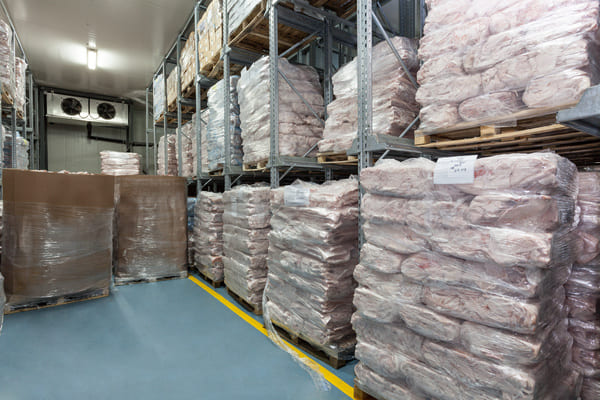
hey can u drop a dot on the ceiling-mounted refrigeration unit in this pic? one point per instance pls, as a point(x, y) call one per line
point(67, 109)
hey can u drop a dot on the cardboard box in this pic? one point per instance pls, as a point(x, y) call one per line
point(57, 235)
point(151, 218)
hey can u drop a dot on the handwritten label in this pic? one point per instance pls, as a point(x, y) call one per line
point(296, 196)
point(454, 170)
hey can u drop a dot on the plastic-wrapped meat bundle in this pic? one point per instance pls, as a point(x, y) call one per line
point(215, 133)
point(158, 96)
point(583, 287)
point(119, 163)
point(7, 59)
point(461, 288)
point(246, 225)
point(187, 149)
point(203, 151)
point(172, 88)
point(22, 161)
point(394, 106)
point(491, 60)
point(299, 128)
point(313, 248)
point(171, 168)
point(208, 235)
point(20, 87)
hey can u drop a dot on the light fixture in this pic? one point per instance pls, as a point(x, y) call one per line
point(92, 55)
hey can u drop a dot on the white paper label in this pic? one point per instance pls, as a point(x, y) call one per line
point(454, 170)
point(296, 196)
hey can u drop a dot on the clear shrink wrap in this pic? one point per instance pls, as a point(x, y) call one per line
point(187, 61)
point(239, 10)
point(22, 150)
point(208, 235)
point(158, 96)
point(191, 205)
point(151, 228)
point(313, 249)
point(461, 287)
point(20, 84)
point(299, 128)
point(171, 163)
point(483, 62)
point(583, 287)
point(188, 149)
point(119, 163)
point(7, 60)
point(57, 241)
point(246, 216)
point(172, 87)
point(394, 105)
point(215, 131)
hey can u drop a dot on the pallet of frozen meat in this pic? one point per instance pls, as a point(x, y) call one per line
point(313, 249)
point(208, 237)
point(461, 279)
point(119, 163)
point(246, 226)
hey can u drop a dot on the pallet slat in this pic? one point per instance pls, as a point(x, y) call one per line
point(256, 166)
point(56, 301)
point(360, 394)
point(253, 308)
point(214, 283)
point(336, 158)
point(130, 281)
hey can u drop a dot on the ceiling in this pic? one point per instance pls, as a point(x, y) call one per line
point(132, 37)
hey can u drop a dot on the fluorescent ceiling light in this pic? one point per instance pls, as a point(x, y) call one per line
point(92, 55)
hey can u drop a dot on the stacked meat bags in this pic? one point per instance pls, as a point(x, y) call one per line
point(313, 249)
point(299, 129)
point(7, 55)
point(171, 155)
point(461, 290)
point(119, 163)
point(394, 105)
point(208, 235)
point(485, 60)
point(583, 287)
point(246, 225)
point(215, 131)
point(188, 149)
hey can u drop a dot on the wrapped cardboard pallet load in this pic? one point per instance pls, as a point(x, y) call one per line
point(461, 279)
point(158, 97)
point(7, 63)
point(299, 128)
point(171, 168)
point(151, 235)
point(208, 235)
point(57, 241)
point(188, 149)
point(172, 88)
point(210, 35)
point(394, 105)
point(20, 84)
point(239, 10)
point(484, 61)
point(187, 61)
point(246, 226)
point(313, 249)
point(583, 287)
point(119, 163)
point(215, 131)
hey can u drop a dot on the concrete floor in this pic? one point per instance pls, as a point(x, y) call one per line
point(165, 340)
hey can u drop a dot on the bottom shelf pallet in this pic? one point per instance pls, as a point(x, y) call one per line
point(360, 394)
point(253, 308)
point(130, 281)
point(335, 359)
point(213, 283)
point(256, 166)
point(56, 301)
point(336, 158)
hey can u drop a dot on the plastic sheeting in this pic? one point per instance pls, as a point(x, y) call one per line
point(215, 131)
point(158, 96)
point(299, 128)
point(238, 11)
point(188, 149)
point(208, 235)
point(246, 225)
point(22, 150)
point(484, 61)
point(171, 168)
point(20, 84)
point(461, 292)
point(394, 105)
point(7, 59)
point(119, 163)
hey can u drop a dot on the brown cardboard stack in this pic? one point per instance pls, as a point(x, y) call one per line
point(172, 88)
point(57, 236)
point(187, 61)
point(210, 34)
point(151, 220)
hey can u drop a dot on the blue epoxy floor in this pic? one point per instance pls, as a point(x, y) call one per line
point(165, 340)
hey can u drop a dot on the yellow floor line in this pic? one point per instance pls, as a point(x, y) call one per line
point(331, 378)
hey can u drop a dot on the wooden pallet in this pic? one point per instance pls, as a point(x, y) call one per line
point(528, 133)
point(184, 109)
point(131, 281)
point(6, 98)
point(336, 359)
point(189, 91)
point(253, 308)
point(360, 394)
point(336, 158)
point(343, 8)
point(213, 283)
point(56, 301)
point(256, 166)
